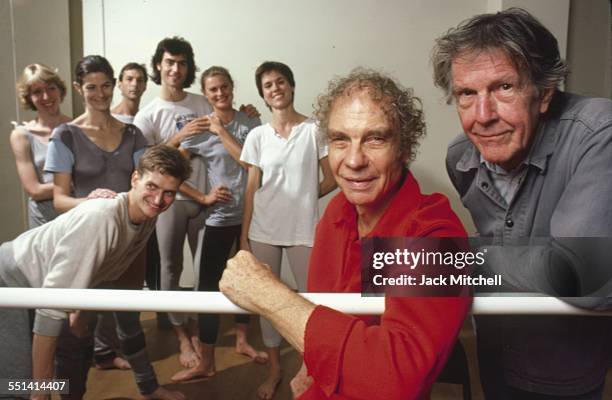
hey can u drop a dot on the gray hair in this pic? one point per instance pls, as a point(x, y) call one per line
point(403, 109)
point(530, 46)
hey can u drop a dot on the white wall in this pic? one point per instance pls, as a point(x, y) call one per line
point(554, 14)
point(318, 39)
point(590, 48)
point(9, 184)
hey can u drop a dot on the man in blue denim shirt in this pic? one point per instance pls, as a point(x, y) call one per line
point(534, 167)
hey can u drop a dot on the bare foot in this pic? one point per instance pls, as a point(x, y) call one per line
point(268, 387)
point(188, 357)
point(162, 393)
point(244, 348)
point(115, 363)
point(196, 344)
point(199, 371)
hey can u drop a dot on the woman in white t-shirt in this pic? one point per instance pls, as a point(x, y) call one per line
point(283, 188)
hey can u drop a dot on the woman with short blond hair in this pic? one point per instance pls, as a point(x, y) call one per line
point(39, 89)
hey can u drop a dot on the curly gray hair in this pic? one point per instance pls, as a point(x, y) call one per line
point(399, 104)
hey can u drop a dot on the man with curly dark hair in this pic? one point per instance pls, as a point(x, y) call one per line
point(175, 115)
point(170, 118)
point(372, 125)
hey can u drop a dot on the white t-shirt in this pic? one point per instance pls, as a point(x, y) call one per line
point(126, 119)
point(285, 210)
point(160, 120)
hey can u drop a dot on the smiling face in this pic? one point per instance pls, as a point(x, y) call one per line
point(173, 70)
point(46, 97)
point(364, 152)
point(97, 91)
point(219, 92)
point(277, 91)
point(499, 111)
point(151, 194)
point(132, 84)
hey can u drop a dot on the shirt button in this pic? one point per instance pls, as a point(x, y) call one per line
point(484, 185)
point(509, 223)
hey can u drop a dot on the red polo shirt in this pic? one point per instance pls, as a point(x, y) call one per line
point(399, 354)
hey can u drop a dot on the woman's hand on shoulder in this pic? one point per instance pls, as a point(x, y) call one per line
point(101, 193)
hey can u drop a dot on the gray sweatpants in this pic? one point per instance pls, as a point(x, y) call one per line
point(184, 217)
point(299, 257)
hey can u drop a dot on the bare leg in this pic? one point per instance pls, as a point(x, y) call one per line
point(188, 357)
point(243, 347)
point(205, 368)
point(268, 387)
point(194, 336)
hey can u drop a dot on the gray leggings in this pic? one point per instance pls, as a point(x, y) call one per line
point(272, 255)
point(184, 217)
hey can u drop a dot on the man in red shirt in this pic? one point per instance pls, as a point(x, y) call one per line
point(372, 126)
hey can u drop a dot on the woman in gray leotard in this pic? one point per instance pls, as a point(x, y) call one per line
point(94, 156)
point(220, 148)
point(39, 89)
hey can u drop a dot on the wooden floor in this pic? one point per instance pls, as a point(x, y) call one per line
point(237, 377)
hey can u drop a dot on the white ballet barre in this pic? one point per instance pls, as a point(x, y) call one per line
point(217, 303)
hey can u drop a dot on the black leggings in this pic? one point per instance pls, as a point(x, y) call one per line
point(216, 246)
